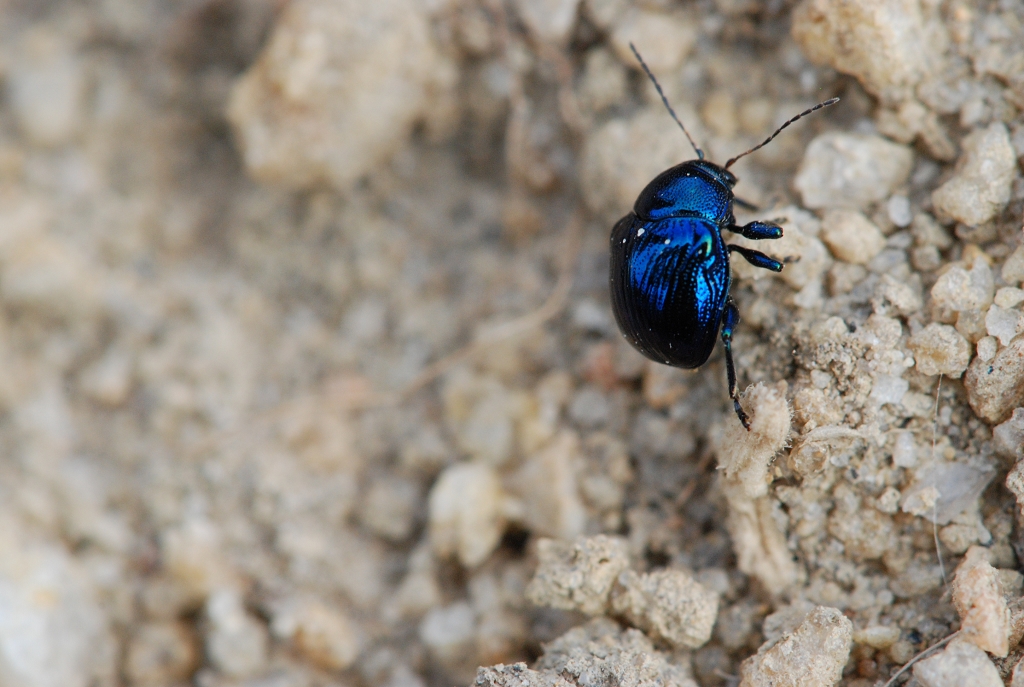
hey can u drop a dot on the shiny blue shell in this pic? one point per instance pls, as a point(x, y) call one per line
point(670, 271)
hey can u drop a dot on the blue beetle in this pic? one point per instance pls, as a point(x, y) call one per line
point(670, 273)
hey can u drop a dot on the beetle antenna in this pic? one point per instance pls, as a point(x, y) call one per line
point(831, 101)
point(700, 153)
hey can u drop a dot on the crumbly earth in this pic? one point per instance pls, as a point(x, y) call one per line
point(306, 344)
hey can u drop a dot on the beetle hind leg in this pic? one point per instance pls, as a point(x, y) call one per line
point(757, 258)
point(730, 318)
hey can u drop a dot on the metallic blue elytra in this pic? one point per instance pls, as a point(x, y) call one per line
point(670, 273)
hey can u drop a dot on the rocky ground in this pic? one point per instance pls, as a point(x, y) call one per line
point(309, 375)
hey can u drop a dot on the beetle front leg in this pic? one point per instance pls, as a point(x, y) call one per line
point(730, 318)
point(757, 258)
point(758, 230)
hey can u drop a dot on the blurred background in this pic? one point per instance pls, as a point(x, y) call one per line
point(305, 336)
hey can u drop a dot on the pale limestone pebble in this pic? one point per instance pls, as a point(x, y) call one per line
point(851, 236)
point(603, 82)
point(53, 630)
point(812, 654)
point(759, 541)
point(482, 412)
point(916, 580)
point(904, 450)
point(1009, 297)
point(813, 408)
point(550, 21)
point(971, 324)
point(940, 349)
point(866, 533)
point(517, 675)
point(898, 210)
point(663, 39)
point(888, 45)
point(943, 490)
point(959, 664)
point(160, 653)
point(390, 507)
point(851, 171)
point(987, 347)
point(605, 13)
point(960, 289)
point(41, 273)
point(578, 576)
point(47, 87)
point(1015, 483)
point(336, 91)
point(983, 181)
point(877, 636)
point(449, 633)
point(467, 509)
point(321, 633)
point(108, 381)
point(419, 590)
point(897, 297)
point(978, 598)
point(192, 554)
point(620, 157)
point(237, 644)
point(602, 654)
point(667, 604)
point(995, 387)
point(1008, 438)
point(966, 530)
point(548, 484)
point(1004, 323)
point(744, 455)
point(1013, 269)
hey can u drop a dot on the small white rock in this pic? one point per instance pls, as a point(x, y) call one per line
point(961, 663)
point(1009, 297)
point(1013, 268)
point(940, 349)
point(851, 236)
point(898, 209)
point(1004, 324)
point(450, 632)
point(236, 643)
point(958, 289)
point(988, 346)
point(852, 171)
point(981, 187)
point(466, 513)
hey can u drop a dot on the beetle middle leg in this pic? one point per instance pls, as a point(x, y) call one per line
point(757, 230)
point(757, 258)
point(730, 318)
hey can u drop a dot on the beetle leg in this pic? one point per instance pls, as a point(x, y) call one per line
point(745, 204)
point(758, 230)
point(730, 318)
point(757, 258)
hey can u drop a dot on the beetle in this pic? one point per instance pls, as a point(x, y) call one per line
point(670, 272)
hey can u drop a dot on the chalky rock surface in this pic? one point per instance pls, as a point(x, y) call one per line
point(961, 663)
point(466, 513)
point(577, 576)
point(995, 387)
point(978, 598)
point(889, 45)
point(851, 236)
point(53, 632)
point(940, 349)
point(308, 367)
point(602, 654)
point(812, 654)
point(851, 171)
point(668, 605)
point(336, 90)
point(981, 187)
